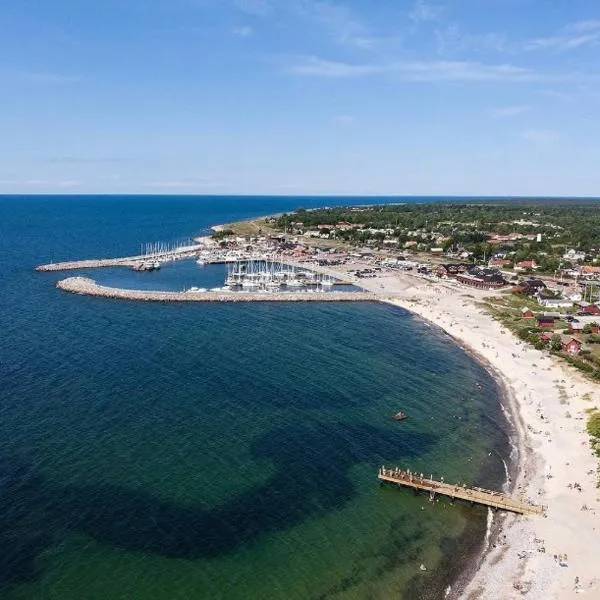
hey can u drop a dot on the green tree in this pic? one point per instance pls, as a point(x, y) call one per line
point(556, 343)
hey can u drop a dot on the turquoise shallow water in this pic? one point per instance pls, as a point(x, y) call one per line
point(218, 451)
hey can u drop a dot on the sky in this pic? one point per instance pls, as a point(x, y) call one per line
point(399, 97)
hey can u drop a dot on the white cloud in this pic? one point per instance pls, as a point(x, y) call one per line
point(540, 135)
point(422, 12)
point(434, 72)
point(510, 111)
point(344, 119)
point(242, 31)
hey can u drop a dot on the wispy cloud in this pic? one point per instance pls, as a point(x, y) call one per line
point(35, 182)
point(589, 25)
point(242, 31)
point(339, 21)
point(423, 12)
point(434, 71)
point(85, 160)
point(257, 8)
point(452, 38)
point(177, 184)
point(318, 67)
point(572, 37)
point(543, 136)
point(510, 111)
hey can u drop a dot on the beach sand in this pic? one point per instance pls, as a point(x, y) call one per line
point(552, 556)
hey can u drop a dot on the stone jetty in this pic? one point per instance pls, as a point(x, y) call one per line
point(86, 286)
point(127, 261)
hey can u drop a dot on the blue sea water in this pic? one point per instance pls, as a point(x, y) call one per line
point(217, 451)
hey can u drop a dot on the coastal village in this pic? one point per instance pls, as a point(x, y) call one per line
point(558, 311)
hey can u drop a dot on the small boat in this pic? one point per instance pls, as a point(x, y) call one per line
point(400, 416)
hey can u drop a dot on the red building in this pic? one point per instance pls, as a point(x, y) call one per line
point(573, 346)
point(527, 313)
point(591, 309)
point(545, 322)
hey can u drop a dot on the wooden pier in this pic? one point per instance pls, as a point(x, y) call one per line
point(474, 495)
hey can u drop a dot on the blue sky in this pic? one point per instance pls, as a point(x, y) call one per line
point(300, 96)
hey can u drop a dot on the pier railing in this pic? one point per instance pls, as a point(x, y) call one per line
point(474, 495)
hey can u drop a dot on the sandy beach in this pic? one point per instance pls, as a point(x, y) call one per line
point(555, 556)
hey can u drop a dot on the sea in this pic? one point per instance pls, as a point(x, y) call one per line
point(218, 451)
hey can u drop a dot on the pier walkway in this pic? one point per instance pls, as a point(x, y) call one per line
point(471, 494)
point(86, 286)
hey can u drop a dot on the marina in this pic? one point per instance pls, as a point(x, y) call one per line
point(475, 495)
point(273, 275)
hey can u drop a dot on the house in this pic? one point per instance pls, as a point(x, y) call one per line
point(574, 255)
point(452, 270)
point(527, 313)
point(499, 262)
point(529, 287)
point(545, 322)
point(526, 264)
point(555, 302)
point(545, 337)
point(575, 327)
point(573, 346)
point(591, 309)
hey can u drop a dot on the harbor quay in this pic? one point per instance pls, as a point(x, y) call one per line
point(86, 286)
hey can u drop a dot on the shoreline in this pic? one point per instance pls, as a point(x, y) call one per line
point(520, 554)
point(474, 563)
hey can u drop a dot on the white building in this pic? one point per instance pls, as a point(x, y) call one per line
point(556, 302)
point(574, 255)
